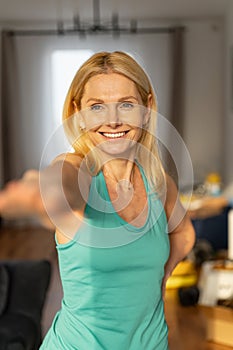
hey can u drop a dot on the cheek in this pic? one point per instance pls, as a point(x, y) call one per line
point(94, 122)
point(94, 135)
point(136, 120)
point(138, 133)
point(134, 134)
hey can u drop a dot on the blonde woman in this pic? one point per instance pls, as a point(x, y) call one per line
point(120, 229)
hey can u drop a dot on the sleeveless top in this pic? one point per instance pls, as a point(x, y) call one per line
point(112, 295)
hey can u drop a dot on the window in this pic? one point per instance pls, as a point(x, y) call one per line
point(65, 64)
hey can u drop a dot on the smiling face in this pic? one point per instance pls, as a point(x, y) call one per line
point(112, 110)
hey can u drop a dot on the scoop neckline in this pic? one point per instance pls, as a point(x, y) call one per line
point(114, 212)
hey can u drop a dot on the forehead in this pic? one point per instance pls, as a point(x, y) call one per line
point(109, 87)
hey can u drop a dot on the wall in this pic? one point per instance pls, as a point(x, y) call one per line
point(204, 101)
point(228, 127)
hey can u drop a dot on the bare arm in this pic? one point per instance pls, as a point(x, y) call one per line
point(181, 232)
point(21, 198)
point(52, 196)
point(64, 190)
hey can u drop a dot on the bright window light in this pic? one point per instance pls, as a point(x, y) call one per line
point(65, 64)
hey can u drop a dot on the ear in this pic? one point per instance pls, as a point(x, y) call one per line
point(82, 125)
point(148, 110)
point(75, 106)
point(149, 101)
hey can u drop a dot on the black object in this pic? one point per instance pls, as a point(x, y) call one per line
point(188, 296)
point(201, 252)
point(213, 229)
point(23, 287)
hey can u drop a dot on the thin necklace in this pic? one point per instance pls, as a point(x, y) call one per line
point(123, 183)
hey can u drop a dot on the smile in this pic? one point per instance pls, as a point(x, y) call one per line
point(114, 135)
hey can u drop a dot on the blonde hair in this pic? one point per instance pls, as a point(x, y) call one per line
point(120, 63)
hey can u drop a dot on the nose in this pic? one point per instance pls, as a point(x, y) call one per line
point(113, 117)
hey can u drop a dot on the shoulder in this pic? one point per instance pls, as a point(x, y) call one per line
point(171, 193)
point(170, 182)
point(172, 203)
point(178, 221)
point(71, 158)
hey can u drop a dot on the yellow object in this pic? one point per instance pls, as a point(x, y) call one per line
point(185, 267)
point(213, 178)
point(213, 184)
point(181, 281)
point(184, 275)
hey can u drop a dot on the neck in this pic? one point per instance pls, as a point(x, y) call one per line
point(119, 169)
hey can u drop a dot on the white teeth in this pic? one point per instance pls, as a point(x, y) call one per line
point(114, 135)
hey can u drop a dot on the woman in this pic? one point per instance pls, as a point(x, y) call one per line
point(115, 253)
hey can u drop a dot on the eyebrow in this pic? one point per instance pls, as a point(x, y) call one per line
point(124, 98)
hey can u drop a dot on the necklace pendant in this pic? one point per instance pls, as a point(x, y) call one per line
point(125, 185)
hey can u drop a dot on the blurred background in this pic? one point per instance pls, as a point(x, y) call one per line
point(186, 47)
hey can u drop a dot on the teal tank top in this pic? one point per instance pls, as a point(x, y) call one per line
point(112, 296)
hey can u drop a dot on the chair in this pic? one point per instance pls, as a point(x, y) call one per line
point(23, 287)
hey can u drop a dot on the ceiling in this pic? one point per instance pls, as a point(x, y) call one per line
point(21, 11)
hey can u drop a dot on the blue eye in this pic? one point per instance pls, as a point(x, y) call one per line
point(127, 105)
point(96, 107)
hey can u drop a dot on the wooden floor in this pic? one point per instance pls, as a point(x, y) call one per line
point(187, 325)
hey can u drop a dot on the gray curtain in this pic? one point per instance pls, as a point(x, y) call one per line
point(1, 121)
point(9, 106)
point(177, 117)
point(12, 127)
point(177, 91)
point(25, 108)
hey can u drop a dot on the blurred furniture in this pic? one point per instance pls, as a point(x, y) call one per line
point(23, 287)
point(213, 229)
point(209, 215)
